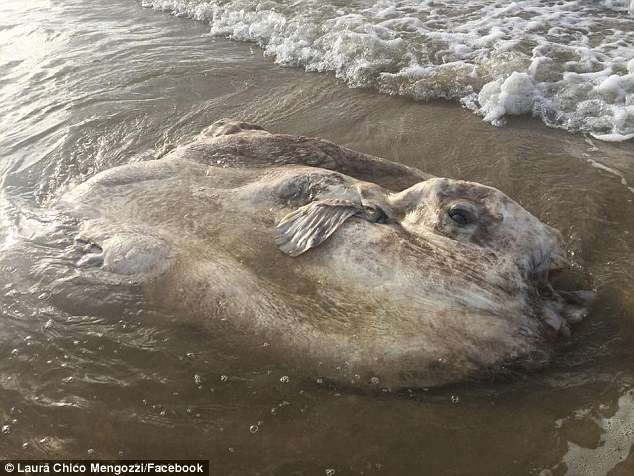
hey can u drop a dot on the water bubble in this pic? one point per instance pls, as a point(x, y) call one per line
point(6, 429)
point(254, 428)
point(375, 380)
point(330, 472)
point(285, 379)
point(224, 378)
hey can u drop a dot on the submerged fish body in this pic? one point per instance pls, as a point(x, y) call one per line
point(345, 262)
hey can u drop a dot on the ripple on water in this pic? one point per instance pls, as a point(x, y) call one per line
point(569, 63)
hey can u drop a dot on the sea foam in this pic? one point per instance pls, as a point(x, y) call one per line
point(568, 62)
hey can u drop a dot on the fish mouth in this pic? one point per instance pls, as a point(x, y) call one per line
point(560, 290)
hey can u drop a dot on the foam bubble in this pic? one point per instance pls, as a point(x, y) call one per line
point(569, 63)
point(617, 439)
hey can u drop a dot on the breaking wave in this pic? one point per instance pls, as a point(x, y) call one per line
point(568, 62)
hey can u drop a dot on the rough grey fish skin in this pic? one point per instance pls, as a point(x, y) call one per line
point(353, 266)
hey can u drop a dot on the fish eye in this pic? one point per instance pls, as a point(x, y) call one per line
point(462, 214)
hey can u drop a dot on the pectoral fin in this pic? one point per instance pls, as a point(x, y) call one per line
point(312, 224)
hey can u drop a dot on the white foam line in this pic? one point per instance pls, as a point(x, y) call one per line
point(570, 63)
point(601, 166)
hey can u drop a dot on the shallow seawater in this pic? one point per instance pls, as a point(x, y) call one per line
point(568, 62)
point(84, 88)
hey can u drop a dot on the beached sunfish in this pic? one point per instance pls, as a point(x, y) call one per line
point(364, 268)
